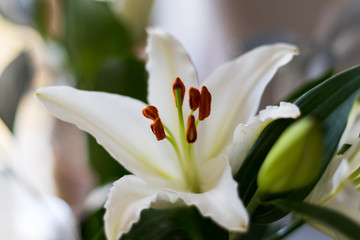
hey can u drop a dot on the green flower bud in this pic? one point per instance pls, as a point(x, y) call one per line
point(295, 159)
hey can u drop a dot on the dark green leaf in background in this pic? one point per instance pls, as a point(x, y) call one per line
point(92, 35)
point(92, 226)
point(184, 223)
point(126, 76)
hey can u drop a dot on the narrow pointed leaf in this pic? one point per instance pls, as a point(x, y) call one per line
point(326, 216)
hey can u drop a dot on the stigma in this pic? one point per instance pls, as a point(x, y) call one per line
point(198, 101)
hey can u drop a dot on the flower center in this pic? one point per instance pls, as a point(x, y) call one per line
point(200, 101)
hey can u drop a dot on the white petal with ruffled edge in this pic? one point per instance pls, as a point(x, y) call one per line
point(118, 124)
point(128, 197)
point(167, 61)
point(236, 89)
point(245, 135)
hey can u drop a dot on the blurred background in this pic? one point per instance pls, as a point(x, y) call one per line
point(53, 177)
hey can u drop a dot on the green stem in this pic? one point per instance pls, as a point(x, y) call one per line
point(254, 202)
point(197, 122)
point(283, 232)
point(234, 236)
point(181, 160)
point(180, 115)
point(177, 151)
point(193, 170)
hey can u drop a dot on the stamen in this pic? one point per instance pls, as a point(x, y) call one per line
point(191, 133)
point(158, 129)
point(205, 103)
point(194, 98)
point(151, 112)
point(178, 85)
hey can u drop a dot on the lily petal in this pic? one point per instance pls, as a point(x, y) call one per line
point(336, 174)
point(245, 135)
point(236, 89)
point(117, 124)
point(351, 132)
point(128, 197)
point(167, 61)
point(347, 202)
point(222, 203)
point(334, 191)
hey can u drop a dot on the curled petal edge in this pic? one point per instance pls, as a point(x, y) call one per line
point(245, 135)
point(130, 195)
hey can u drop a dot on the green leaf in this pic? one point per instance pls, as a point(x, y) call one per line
point(328, 217)
point(92, 35)
point(92, 226)
point(183, 223)
point(330, 102)
point(125, 76)
point(107, 169)
point(41, 16)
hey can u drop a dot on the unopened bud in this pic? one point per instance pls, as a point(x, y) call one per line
point(179, 91)
point(151, 112)
point(205, 103)
point(191, 133)
point(158, 129)
point(295, 159)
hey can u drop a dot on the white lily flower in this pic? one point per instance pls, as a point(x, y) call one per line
point(189, 165)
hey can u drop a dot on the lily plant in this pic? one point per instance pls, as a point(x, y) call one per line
point(185, 146)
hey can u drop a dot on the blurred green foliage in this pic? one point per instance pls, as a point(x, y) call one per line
point(181, 223)
point(92, 35)
point(99, 54)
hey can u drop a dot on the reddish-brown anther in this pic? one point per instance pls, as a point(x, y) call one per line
point(151, 112)
point(194, 98)
point(191, 133)
point(178, 84)
point(205, 103)
point(158, 129)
